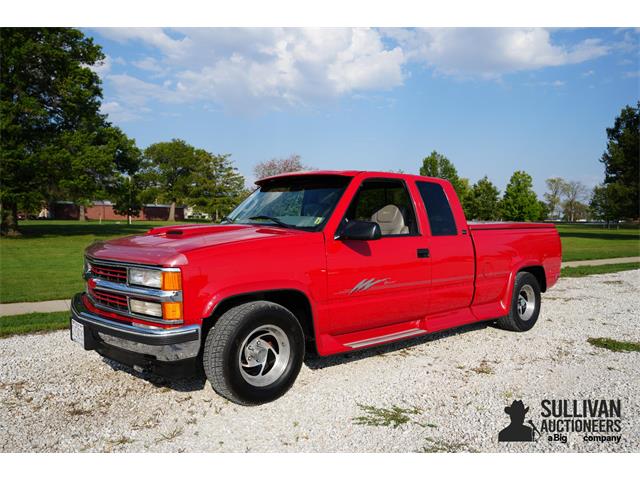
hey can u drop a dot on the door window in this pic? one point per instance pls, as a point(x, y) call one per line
point(386, 202)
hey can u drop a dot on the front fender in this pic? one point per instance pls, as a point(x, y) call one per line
point(252, 289)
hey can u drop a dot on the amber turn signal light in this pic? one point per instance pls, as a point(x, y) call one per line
point(171, 281)
point(172, 311)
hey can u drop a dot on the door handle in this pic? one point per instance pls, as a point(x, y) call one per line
point(423, 253)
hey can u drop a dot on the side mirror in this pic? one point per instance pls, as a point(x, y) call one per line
point(360, 230)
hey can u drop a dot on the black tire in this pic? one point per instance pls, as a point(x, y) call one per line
point(528, 285)
point(223, 352)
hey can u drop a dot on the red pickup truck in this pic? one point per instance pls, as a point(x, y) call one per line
point(332, 261)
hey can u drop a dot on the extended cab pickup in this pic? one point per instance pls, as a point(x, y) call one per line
point(329, 261)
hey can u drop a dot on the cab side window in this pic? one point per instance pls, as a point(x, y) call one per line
point(386, 202)
point(439, 211)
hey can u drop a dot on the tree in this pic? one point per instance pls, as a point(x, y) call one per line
point(606, 202)
point(127, 196)
point(520, 202)
point(482, 202)
point(544, 210)
point(218, 187)
point(91, 164)
point(49, 119)
point(622, 161)
point(553, 197)
point(276, 166)
point(572, 207)
point(170, 170)
point(439, 166)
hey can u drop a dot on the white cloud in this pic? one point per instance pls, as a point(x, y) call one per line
point(554, 83)
point(490, 53)
point(103, 67)
point(255, 69)
point(149, 64)
point(249, 69)
point(119, 113)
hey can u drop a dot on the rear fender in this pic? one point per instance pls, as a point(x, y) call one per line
point(505, 302)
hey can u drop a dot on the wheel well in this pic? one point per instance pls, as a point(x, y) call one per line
point(538, 272)
point(293, 300)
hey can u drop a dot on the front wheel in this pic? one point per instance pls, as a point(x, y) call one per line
point(254, 353)
point(525, 304)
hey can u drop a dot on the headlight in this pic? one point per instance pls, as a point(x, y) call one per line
point(146, 308)
point(145, 277)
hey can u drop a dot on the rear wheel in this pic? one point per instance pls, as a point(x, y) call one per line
point(254, 353)
point(525, 304)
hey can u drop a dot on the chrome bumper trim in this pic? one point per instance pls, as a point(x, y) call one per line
point(164, 344)
point(164, 353)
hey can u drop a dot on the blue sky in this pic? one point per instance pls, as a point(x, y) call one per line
point(492, 100)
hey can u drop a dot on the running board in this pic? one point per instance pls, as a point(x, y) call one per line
point(386, 338)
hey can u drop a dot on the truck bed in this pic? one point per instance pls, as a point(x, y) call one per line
point(507, 225)
point(504, 248)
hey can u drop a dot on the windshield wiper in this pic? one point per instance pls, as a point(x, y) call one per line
point(272, 219)
point(227, 219)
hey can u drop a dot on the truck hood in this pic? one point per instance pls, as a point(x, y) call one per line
point(165, 246)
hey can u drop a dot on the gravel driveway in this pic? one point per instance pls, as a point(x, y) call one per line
point(444, 392)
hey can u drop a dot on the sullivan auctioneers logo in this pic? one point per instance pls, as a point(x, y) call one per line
point(593, 420)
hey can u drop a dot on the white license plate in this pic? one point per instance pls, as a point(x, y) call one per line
point(77, 332)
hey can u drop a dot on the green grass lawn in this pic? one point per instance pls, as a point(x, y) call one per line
point(615, 345)
point(32, 323)
point(588, 242)
point(597, 269)
point(46, 262)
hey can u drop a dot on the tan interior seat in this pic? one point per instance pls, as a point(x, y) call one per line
point(390, 220)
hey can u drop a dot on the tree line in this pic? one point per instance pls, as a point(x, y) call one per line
point(617, 198)
point(482, 201)
point(56, 145)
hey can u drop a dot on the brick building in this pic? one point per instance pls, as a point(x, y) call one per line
point(103, 210)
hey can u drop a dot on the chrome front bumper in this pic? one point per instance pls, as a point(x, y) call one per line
point(165, 345)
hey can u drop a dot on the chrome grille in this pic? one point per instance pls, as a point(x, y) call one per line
point(111, 300)
point(108, 289)
point(111, 273)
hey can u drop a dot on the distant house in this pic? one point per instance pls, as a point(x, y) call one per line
point(191, 213)
point(103, 210)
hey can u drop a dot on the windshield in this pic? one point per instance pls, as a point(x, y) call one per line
point(304, 202)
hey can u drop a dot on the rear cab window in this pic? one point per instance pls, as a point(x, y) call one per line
point(439, 211)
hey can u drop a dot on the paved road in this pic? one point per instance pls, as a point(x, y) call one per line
point(61, 305)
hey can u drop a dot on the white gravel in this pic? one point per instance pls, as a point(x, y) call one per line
point(56, 397)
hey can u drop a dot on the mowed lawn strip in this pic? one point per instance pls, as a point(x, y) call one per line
point(587, 242)
point(45, 263)
point(32, 323)
point(597, 269)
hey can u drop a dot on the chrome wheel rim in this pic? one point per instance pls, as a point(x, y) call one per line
point(264, 355)
point(526, 303)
